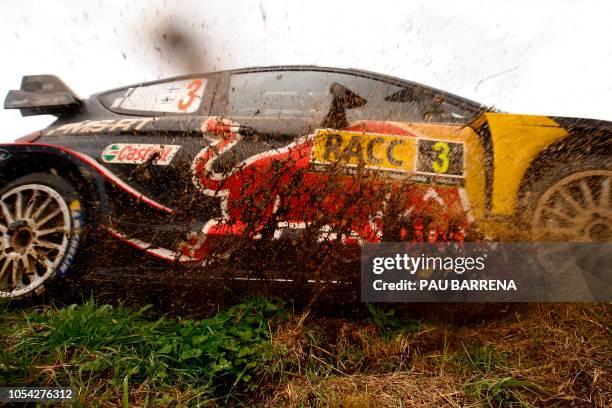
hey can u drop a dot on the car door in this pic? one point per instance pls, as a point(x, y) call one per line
point(337, 154)
point(412, 138)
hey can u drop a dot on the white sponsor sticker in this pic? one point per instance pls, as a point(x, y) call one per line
point(98, 126)
point(171, 97)
point(131, 153)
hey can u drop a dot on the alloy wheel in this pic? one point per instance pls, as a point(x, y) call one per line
point(35, 226)
point(575, 209)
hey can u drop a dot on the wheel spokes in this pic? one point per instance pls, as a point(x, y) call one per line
point(31, 203)
point(42, 207)
point(575, 208)
point(18, 206)
point(34, 232)
point(46, 262)
point(604, 199)
point(49, 217)
point(5, 267)
point(16, 275)
point(586, 193)
point(29, 264)
point(560, 214)
point(6, 213)
point(567, 198)
point(41, 243)
point(54, 230)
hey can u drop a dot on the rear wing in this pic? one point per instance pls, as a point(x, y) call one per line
point(42, 95)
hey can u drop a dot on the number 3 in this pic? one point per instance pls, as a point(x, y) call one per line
point(440, 165)
point(193, 88)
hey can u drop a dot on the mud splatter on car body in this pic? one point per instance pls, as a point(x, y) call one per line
point(251, 167)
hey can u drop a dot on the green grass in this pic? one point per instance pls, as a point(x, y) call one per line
point(484, 359)
point(502, 391)
point(99, 350)
point(259, 353)
point(389, 324)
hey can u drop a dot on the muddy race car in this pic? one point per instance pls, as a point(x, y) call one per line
point(193, 170)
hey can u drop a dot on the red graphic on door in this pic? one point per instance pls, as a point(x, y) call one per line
point(277, 190)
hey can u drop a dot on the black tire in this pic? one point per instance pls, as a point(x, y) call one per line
point(547, 215)
point(33, 240)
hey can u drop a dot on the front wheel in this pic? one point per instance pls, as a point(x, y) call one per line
point(41, 224)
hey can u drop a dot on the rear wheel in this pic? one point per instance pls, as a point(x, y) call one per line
point(41, 222)
point(572, 202)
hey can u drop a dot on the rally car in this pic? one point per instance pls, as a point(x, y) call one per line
point(191, 168)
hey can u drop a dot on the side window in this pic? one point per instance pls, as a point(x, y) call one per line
point(279, 94)
point(410, 103)
point(175, 97)
point(413, 104)
point(334, 99)
point(326, 98)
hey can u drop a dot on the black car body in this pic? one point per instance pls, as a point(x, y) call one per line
point(186, 168)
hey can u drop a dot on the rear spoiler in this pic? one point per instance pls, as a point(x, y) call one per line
point(42, 95)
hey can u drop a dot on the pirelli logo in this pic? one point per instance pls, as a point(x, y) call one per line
point(392, 155)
